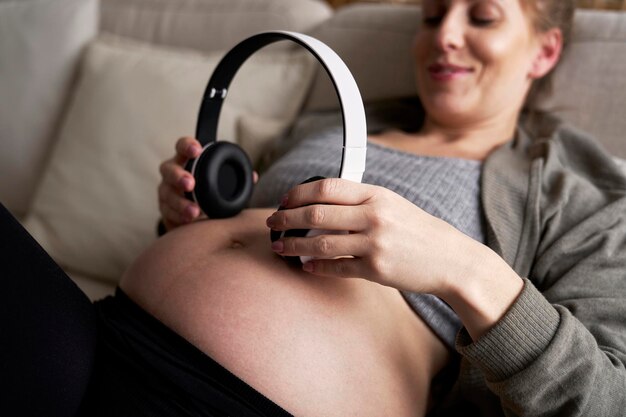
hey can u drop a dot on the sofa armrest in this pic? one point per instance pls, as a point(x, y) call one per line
point(40, 46)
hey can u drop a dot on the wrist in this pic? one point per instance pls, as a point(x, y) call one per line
point(482, 291)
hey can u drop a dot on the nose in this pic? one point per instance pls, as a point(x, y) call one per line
point(451, 33)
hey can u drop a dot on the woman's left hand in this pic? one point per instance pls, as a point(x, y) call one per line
point(391, 241)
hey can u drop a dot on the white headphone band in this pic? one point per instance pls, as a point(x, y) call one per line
point(353, 113)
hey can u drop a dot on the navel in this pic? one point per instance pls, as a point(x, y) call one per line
point(235, 244)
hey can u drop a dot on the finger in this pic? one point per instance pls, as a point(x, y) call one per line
point(320, 216)
point(176, 176)
point(174, 215)
point(179, 208)
point(329, 191)
point(171, 218)
point(337, 268)
point(187, 148)
point(255, 177)
point(323, 246)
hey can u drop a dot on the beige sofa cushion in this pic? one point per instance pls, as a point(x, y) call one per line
point(374, 40)
point(96, 208)
point(208, 25)
point(40, 45)
point(590, 84)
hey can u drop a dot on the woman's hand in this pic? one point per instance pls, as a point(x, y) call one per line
point(391, 241)
point(175, 208)
point(395, 243)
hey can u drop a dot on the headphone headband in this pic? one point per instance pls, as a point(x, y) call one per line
point(352, 111)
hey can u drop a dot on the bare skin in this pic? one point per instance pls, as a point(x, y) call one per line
point(320, 344)
point(314, 345)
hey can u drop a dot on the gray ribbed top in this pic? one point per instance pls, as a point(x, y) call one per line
point(447, 188)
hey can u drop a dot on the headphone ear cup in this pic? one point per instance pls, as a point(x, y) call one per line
point(223, 174)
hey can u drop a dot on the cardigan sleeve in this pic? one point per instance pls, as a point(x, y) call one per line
point(540, 360)
point(560, 350)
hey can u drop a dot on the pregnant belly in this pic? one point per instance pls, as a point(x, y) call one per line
point(315, 346)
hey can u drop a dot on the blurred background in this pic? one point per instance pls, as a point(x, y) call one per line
point(589, 4)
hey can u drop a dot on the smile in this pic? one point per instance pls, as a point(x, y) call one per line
point(447, 72)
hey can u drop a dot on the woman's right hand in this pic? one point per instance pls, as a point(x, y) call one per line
point(175, 208)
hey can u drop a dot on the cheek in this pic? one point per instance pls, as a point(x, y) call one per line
point(506, 55)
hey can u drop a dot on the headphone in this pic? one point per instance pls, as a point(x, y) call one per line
point(223, 171)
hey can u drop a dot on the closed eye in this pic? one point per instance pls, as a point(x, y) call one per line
point(480, 22)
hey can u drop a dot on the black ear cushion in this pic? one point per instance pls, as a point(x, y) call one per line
point(275, 234)
point(224, 184)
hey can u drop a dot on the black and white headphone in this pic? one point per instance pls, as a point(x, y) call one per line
point(223, 171)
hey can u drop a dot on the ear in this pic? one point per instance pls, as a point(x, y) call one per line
point(550, 45)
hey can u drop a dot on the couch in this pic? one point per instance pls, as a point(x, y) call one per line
point(93, 95)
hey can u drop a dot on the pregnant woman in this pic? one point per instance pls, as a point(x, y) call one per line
point(501, 213)
point(482, 272)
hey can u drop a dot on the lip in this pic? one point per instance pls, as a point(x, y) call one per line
point(447, 72)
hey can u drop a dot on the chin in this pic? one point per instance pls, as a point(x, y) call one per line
point(449, 111)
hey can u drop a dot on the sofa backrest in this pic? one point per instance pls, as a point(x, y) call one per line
point(207, 25)
point(590, 84)
point(375, 41)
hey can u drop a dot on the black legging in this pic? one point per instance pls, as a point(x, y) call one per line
point(47, 330)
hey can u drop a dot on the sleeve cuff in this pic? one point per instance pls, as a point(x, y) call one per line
point(522, 334)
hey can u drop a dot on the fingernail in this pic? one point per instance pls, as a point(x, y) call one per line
point(270, 222)
point(284, 200)
point(186, 183)
point(191, 212)
point(278, 246)
point(308, 267)
point(193, 150)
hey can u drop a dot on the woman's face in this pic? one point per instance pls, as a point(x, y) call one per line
point(474, 59)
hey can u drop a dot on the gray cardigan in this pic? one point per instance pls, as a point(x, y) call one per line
point(556, 212)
